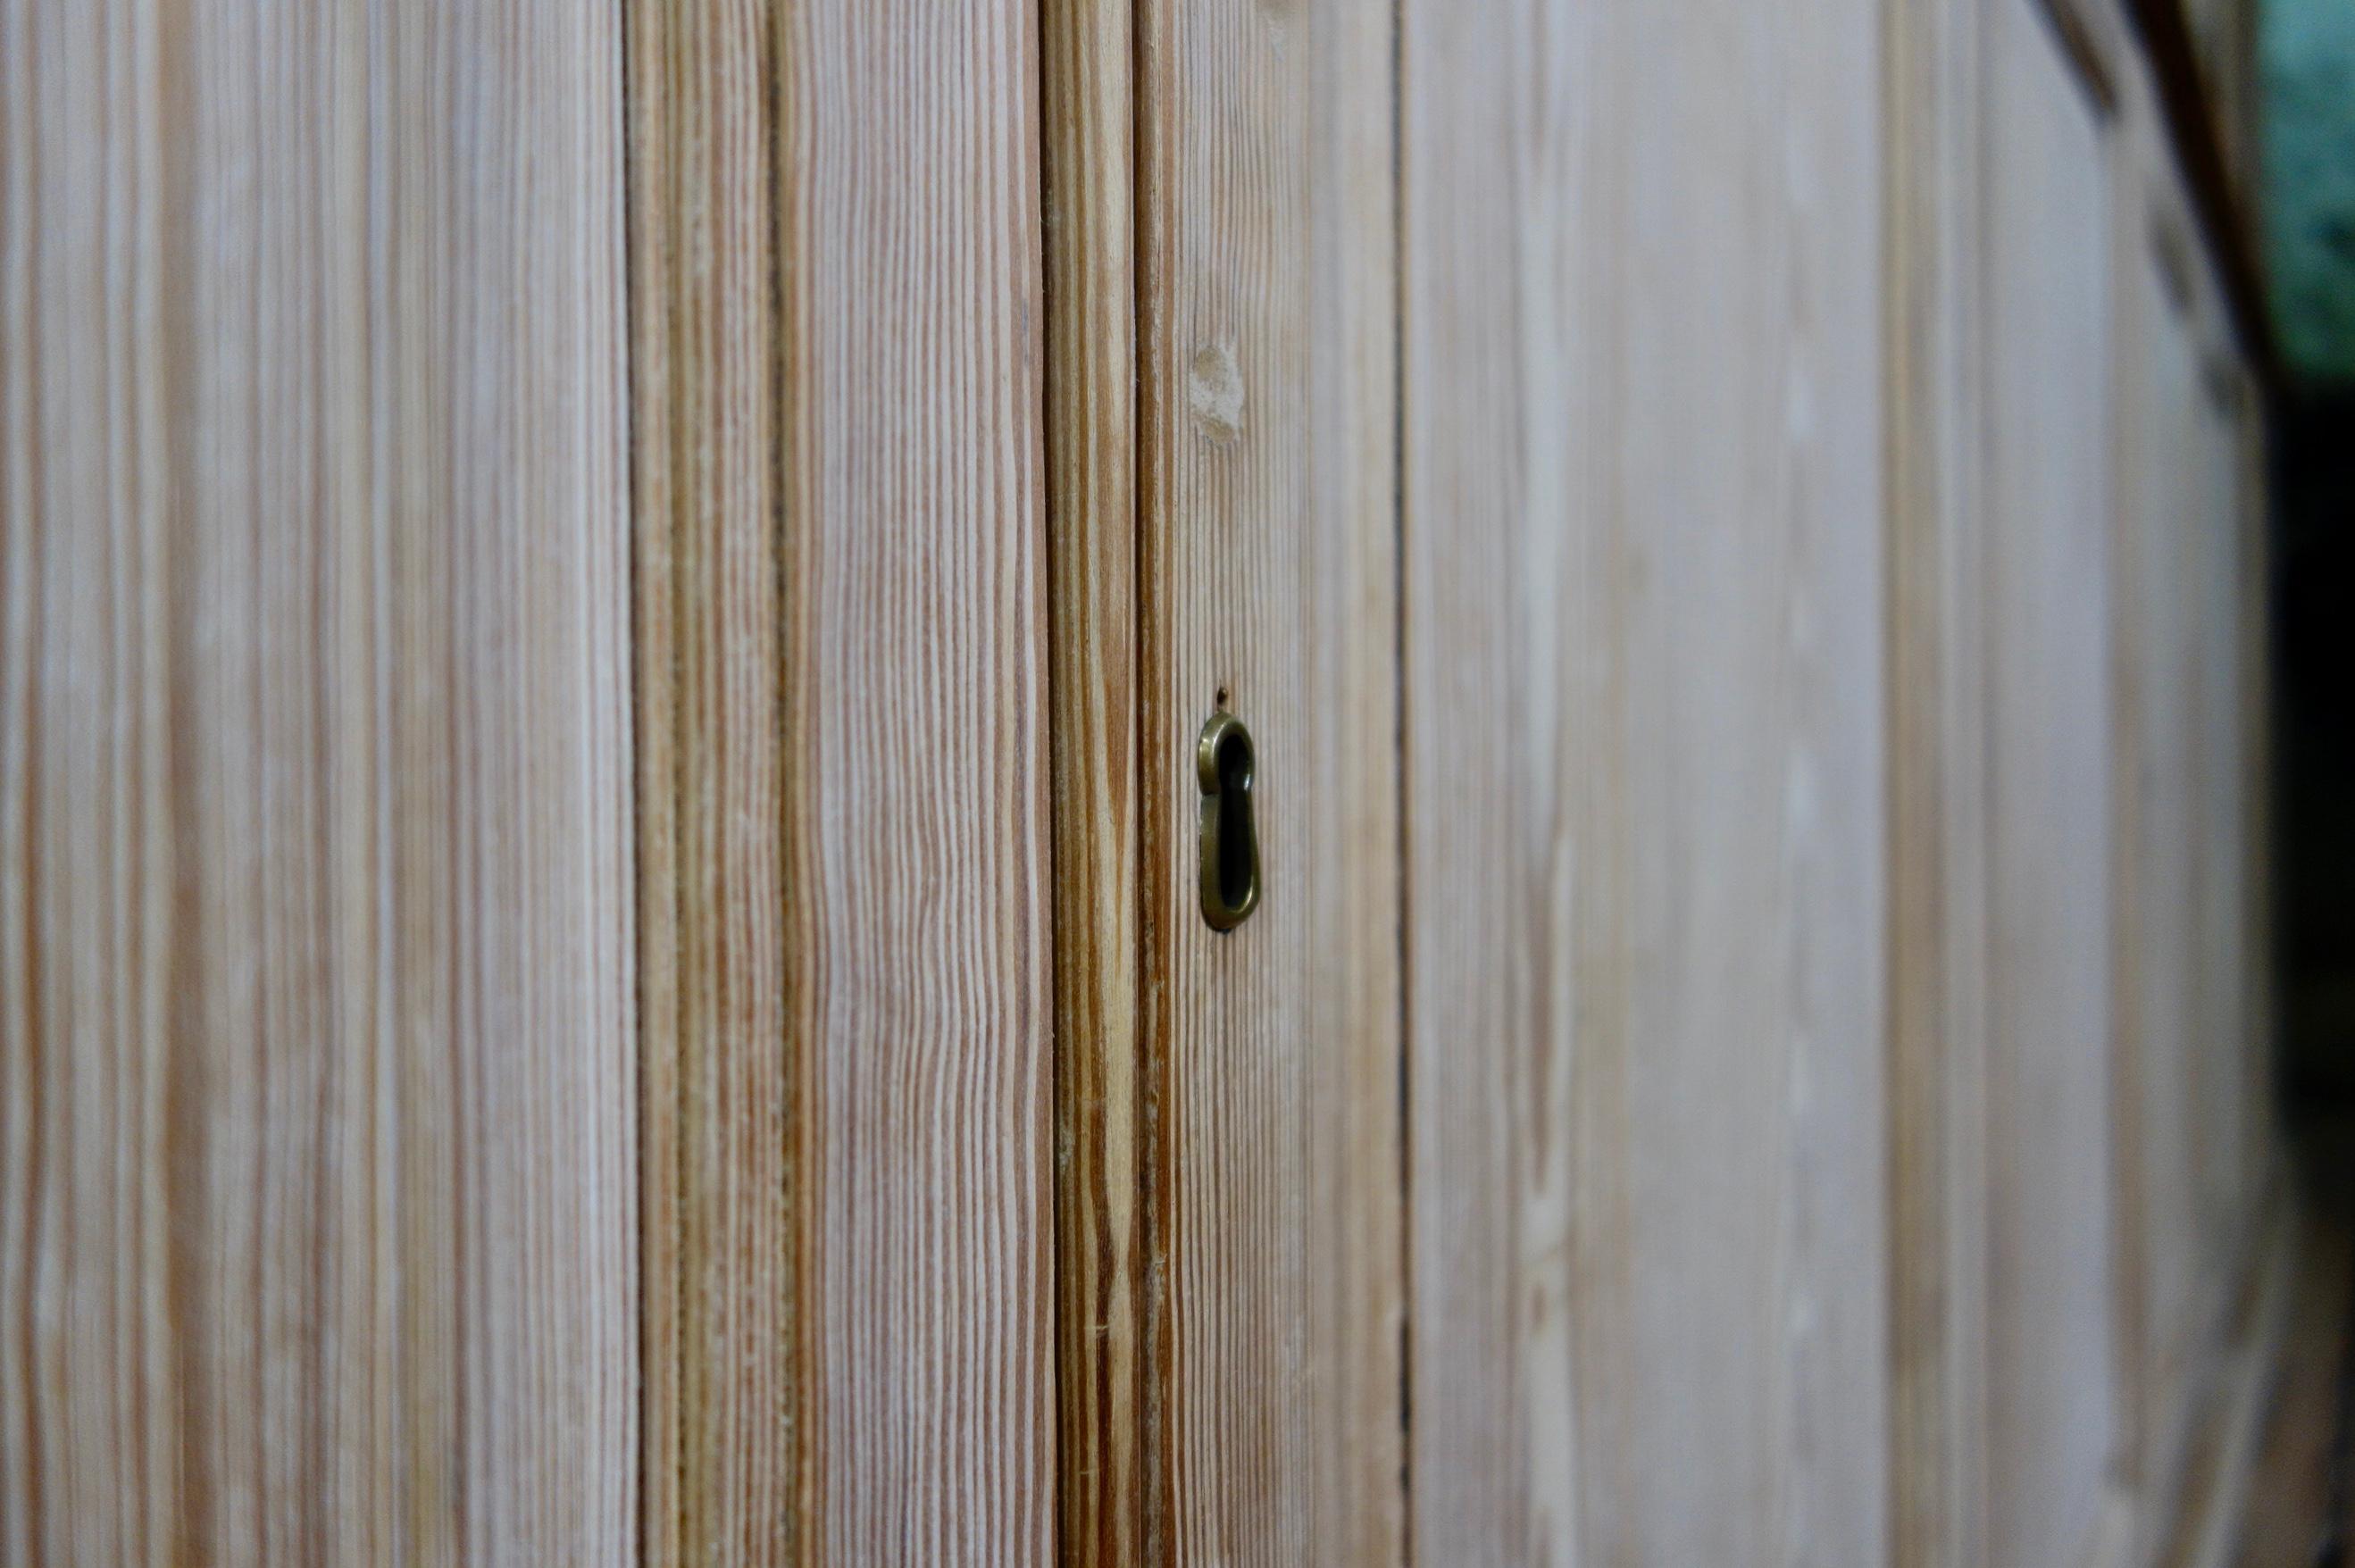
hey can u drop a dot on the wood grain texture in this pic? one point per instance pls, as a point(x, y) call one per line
point(1088, 110)
point(317, 1074)
point(916, 923)
point(1267, 568)
point(721, 1267)
point(2051, 1414)
point(840, 537)
point(1643, 578)
point(1938, 1175)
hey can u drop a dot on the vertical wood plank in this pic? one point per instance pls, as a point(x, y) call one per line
point(2053, 1431)
point(1642, 657)
point(840, 536)
point(2156, 1029)
point(2063, 1299)
point(1103, 1385)
point(916, 924)
point(506, 422)
point(720, 1459)
point(2191, 1003)
point(317, 1225)
point(1267, 570)
point(1937, 913)
point(1643, 579)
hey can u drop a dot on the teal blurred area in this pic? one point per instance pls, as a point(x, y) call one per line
point(2307, 61)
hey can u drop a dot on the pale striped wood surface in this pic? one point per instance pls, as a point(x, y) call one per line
point(913, 645)
point(2061, 1089)
point(844, 839)
point(1643, 515)
point(843, 849)
point(317, 1071)
point(1267, 573)
point(1937, 788)
point(2047, 250)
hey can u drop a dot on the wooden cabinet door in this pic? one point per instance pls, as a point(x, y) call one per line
point(611, 947)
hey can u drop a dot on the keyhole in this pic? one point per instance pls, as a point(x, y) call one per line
point(1224, 764)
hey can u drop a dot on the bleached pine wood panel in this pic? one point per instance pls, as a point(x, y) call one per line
point(1642, 568)
point(1938, 873)
point(1272, 1425)
point(318, 1071)
point(838, 333)
point(2049, 452)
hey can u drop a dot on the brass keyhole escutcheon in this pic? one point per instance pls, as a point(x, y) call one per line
point(1224, 764)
